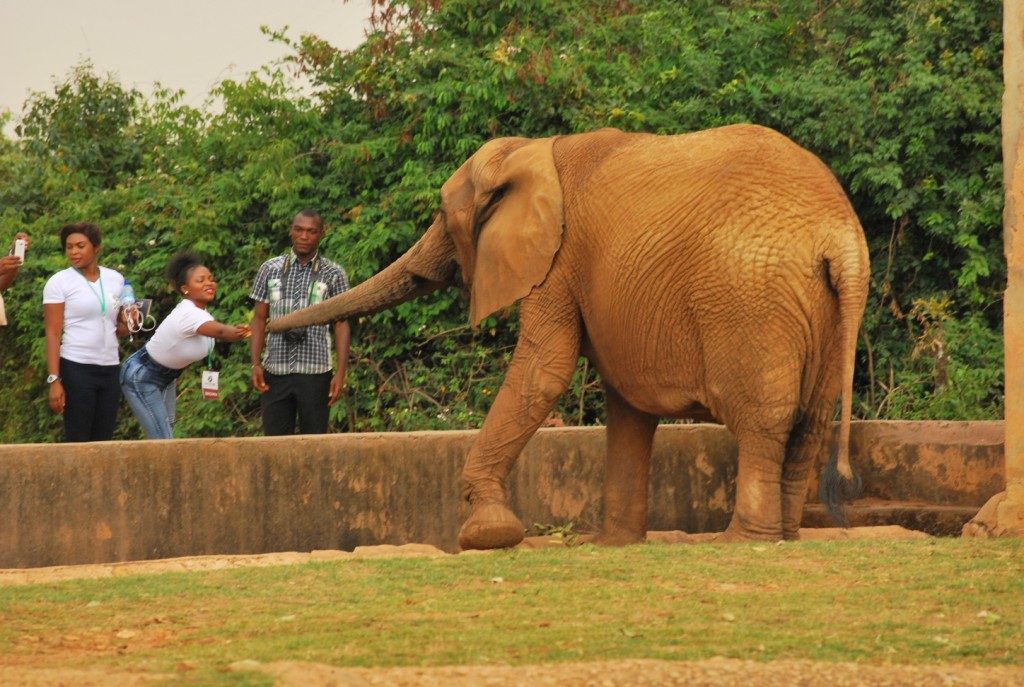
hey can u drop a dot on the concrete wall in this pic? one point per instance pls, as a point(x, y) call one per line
point(114, 501)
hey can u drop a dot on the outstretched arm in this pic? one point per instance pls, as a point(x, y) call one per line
point(223, 332)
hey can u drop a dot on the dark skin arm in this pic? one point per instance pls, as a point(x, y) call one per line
point(342, 338)
point(9, 264)
point(258, 327)
point(122, 325)
point(53, 324)
point(223, 332)
point(8, 270)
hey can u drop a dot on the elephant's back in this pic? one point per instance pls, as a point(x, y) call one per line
point(736, 209)
point(693, 187)
point(708, 240)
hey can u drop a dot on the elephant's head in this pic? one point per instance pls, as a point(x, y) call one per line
point(497, 233)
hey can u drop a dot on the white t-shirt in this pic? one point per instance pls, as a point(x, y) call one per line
point(175, 344)
point(90, 314)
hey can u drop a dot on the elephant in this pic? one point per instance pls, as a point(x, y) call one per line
point(718, 275)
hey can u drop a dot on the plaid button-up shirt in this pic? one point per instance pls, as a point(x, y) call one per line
point(312, 354)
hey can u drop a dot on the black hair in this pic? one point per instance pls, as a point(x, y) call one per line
point(179, 268)
point(87, 229)
point(308, 212)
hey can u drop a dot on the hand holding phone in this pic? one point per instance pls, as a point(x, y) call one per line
point(19, 249)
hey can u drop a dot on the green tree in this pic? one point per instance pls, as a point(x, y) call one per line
point(900, 99)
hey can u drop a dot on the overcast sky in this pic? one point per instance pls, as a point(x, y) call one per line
point(189, 44)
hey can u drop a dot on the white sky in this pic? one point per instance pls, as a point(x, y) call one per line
point(189, 44)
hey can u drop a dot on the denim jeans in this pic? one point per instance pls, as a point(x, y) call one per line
point(152, 393)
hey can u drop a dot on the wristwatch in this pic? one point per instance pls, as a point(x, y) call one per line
point(50, 379)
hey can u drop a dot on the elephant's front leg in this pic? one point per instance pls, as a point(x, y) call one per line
point(627, 472)
point(541, 369)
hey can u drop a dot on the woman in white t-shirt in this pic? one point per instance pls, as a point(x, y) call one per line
point(81, 307)
point(149, 376)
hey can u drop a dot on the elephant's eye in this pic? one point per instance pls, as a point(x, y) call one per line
point(488, 208)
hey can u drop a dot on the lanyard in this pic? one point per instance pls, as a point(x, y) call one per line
point(209, 356)
point(101, 296)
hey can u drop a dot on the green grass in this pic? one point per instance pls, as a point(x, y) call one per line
point(944, 600)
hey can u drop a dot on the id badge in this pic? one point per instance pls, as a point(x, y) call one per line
point(211, 384)
point(273, 290)
point(317, 290)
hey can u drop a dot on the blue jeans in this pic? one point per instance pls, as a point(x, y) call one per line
point(152, 393)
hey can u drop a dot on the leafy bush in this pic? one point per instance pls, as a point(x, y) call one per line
point(901, 99)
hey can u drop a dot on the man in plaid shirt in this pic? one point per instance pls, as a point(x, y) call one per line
point(293, 371)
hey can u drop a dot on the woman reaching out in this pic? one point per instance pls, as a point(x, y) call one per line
point(149, 376)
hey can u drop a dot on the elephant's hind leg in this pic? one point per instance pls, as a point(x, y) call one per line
point(758, 512)
point(630, 434)
point(806, 443)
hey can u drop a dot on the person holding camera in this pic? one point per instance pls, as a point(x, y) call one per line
point(9, 265)
point(292, 370)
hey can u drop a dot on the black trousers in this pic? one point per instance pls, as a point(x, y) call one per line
point(92, 394)
point(291, 395)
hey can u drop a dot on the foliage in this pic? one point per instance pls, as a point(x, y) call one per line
point(933, 384)
point(901, 99)
point(565, 533)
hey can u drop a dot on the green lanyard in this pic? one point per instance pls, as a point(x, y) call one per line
point(209, 356)
point(101, 296)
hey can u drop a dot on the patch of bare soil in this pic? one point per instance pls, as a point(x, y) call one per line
point(19, 576)
point(720, 672)
point(60, 573)
point(65, 677)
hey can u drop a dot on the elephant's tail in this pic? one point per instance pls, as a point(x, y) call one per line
point(834, 490)
point(848, 273)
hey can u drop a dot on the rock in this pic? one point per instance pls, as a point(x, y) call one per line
point(986, 522)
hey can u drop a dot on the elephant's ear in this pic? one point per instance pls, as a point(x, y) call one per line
point(519, 218)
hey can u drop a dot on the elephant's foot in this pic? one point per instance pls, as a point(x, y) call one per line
point(491, 525)
point(617, 538)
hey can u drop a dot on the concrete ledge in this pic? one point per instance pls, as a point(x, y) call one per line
point(937, 520)
point(65, 504)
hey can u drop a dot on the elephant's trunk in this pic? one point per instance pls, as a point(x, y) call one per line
point(427, 266)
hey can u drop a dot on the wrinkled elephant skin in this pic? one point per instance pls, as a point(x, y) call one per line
point(718, 274)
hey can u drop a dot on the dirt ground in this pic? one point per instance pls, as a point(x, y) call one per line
point(640, 672)
point(720, 672)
